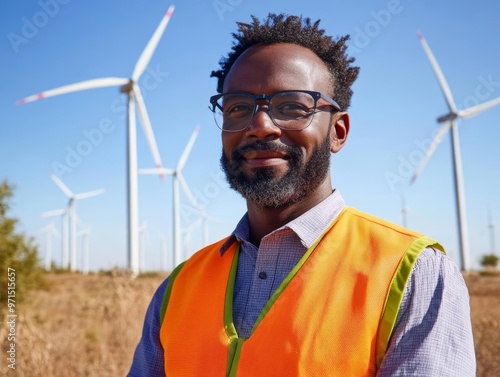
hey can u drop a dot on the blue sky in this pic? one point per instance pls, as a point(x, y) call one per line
point(50, 43)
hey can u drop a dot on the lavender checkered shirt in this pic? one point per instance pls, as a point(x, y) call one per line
point(432, 336)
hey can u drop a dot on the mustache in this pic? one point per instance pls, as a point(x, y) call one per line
point(261, 145)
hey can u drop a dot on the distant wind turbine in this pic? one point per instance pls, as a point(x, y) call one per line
point(71, 210)
point(449, 121)
point(404, 210)
point(48, 232)
point(85, 235)
point(178, 180)
point(130, 87)
point(163, 251)
point(202, 220)
point(491, 229)
point(187, 236)
point(64, 233)
point(142, 245)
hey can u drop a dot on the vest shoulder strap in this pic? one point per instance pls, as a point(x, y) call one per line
point(168, 290)
point(177, 270)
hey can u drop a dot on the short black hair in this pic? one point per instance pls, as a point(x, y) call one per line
point(280, 28)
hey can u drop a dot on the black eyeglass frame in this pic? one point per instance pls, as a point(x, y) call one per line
point(256, 97)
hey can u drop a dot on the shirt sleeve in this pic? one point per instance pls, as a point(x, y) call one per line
point(149, 357)
point(433, 331)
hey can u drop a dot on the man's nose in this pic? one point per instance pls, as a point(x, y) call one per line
point(261, 126)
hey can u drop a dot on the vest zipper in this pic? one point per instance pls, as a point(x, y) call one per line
point(234, 356)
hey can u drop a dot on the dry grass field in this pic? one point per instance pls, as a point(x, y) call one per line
point(89, 325)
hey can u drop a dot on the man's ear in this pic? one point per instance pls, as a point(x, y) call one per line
point(339, 132)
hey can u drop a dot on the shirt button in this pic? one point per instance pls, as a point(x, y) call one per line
point(262, 275)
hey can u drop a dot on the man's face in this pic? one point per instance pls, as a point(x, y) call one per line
point(269, 166)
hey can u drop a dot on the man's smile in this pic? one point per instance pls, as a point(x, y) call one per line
point(265, 158)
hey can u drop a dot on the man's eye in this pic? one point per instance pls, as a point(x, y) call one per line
point(238, 110)
point(293, 109)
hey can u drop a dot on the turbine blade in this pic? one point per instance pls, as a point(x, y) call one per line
point(62, 186)
point(146, 126)
point(439, 74)
point(49, 229)
point(187, 191)
point(89, 194)
point(158, 171)
point(187, 150)
point(83, 85)
point(437, 139)
point(150, 48)
point(56, 212)
point(471, 111)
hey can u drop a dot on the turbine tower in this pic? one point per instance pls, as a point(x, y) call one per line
point(71, 210)
point(449, 121)
point(130, 87)
point(178, 181)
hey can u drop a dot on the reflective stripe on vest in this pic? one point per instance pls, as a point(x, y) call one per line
point(333, 315)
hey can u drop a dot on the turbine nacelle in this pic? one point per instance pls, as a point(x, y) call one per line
point(128, 87)
point(447, 118)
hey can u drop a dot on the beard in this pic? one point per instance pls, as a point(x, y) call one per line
point(264, 189)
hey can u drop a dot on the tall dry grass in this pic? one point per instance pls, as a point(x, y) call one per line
point(89, 325)
point(485, 312)
point(81, 326)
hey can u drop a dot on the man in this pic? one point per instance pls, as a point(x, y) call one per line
point(304, 286)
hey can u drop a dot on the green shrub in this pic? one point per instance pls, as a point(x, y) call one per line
point(19, 261)
point(490, 260)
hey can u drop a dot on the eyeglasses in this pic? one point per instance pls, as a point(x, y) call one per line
point(288, 109)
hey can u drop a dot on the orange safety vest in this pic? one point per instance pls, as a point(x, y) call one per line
point(333, 315)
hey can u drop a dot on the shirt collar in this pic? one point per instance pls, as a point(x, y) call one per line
point(308, 227)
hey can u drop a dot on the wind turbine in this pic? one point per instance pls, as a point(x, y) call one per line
point(71, 210)
point(186, 235)
point(48, 232)
point(202, 220)
point(130, 87)
point(163, 251)
point(449, 121)
point(64, 233)
point(85, 235)
point(142, 245)
point(178, 180)
point(491, 229)
point(404, 210)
